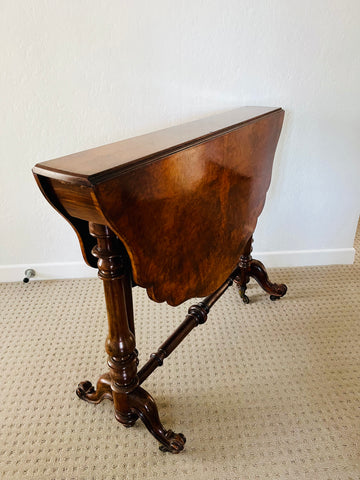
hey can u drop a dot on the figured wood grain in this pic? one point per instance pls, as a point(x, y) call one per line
point(173, 211)
point(97, 164)
point(184, 205)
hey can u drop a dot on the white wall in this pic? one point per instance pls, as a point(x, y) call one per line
point(77, 74)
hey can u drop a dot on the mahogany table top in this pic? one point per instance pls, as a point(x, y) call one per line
point(184, 201)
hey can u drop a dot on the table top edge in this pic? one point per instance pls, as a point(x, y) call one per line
point(57, 168)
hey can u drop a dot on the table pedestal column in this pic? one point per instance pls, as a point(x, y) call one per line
point(121, 384)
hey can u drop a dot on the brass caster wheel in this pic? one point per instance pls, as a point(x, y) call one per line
point(245, 299)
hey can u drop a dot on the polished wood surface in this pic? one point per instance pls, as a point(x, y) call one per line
point(101, 163)
point(121, 384)
point(184, 217)
point(173, 212)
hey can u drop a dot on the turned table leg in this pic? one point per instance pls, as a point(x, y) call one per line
point(250, 267)
point(121, 384)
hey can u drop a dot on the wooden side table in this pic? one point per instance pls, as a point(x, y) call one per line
point(174, 212)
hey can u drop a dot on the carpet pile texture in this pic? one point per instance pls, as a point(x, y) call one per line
point(269, 390)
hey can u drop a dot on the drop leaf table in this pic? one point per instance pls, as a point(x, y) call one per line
point(174, 212)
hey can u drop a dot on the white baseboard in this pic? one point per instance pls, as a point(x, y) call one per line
point(47, 271)
point(306, 258)
point(296, 258)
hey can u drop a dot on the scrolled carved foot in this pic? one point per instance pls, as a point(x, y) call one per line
point(176, 442)
point(259, 273)
point(279, 290)
point(87, 392)
point(143, 405)
point(84, 388)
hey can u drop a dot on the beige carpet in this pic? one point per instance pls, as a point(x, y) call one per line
point(269, 390)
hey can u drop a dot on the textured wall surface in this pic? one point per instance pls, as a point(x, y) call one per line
point(75, 75)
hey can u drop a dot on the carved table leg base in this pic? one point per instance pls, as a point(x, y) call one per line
point(258, 271)
point(248, 267)
point(126, 419)
point(143, 405)
point(121, 384)
point(87, 392)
